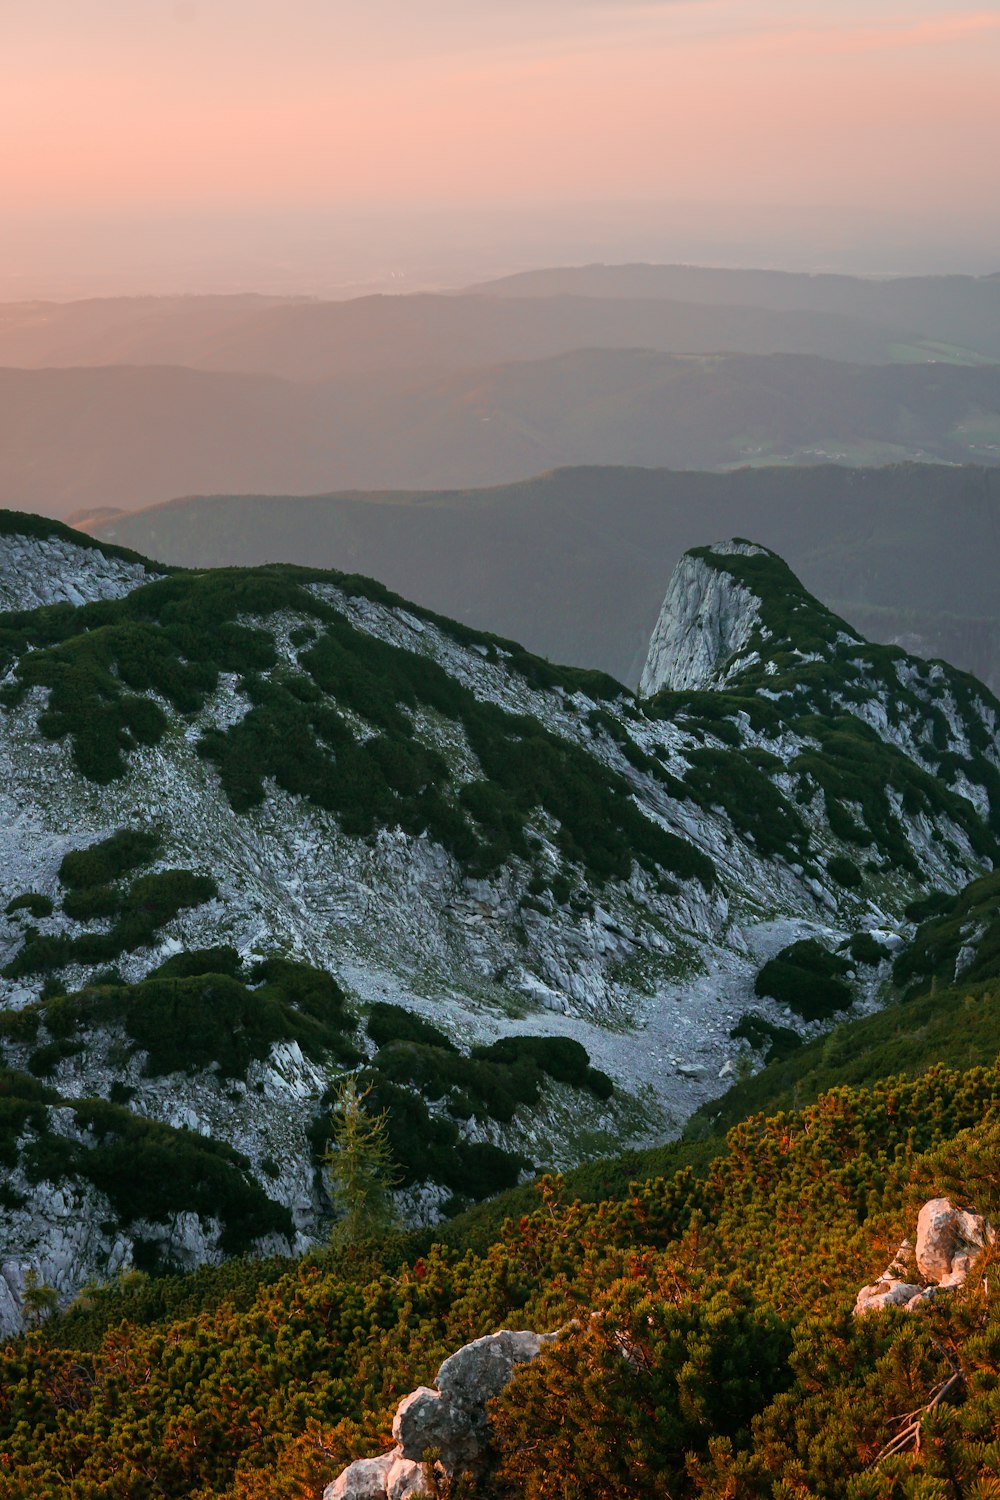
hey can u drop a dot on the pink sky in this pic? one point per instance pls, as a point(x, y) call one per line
point(114, 107)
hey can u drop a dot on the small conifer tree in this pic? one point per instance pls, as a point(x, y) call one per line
point(360, 1170)
point(37, 1298)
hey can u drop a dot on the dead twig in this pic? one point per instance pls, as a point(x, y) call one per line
point(911, 1424)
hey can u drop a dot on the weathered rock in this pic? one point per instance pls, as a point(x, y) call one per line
point(425, 1419)
point(405, 1479)
point(949, 1241)
point(448, 1421)
point(886, 1293)
point(365, 1479)
point(706, 617)
point(478, 1371)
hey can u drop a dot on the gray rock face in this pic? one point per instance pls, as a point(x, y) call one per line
point(36, 571)
point(425, 1420)
point(706, 617)
point(949, 1241)
point(448, 1419)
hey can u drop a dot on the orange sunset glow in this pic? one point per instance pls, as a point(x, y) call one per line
point(111, 112)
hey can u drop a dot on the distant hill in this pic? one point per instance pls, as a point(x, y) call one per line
point(573, 562)
point(312, 340)
point(962, 310)
point(76, 440)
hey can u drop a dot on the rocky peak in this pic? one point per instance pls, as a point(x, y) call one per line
point(707, 618)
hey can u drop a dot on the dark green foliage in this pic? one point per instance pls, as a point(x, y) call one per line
point(186, 1023)
point(44, 528)
point(736, 781)
point(935, 904)
point(415, 1063)
point(865, 949)
point(958, 1028)
point(149, 903)
point(35, 904)
point(295, 735)
point(147, 1170)
point(808, 978)
point(391, 1023)
point(780, 1041)
point(105, 863)
point(429, 1147)
point(560, 1057)
point(965, 926)
point(199, 961)
point(175, 637)
point(844, 871)
point(44, 1061)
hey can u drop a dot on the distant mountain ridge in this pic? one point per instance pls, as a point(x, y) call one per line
point(315, 340)
point(952, 309)
point(129, 437)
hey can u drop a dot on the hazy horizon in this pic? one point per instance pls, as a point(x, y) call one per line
point(205, 145)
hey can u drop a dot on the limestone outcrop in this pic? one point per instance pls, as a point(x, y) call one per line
point(706, 618)
point(37, 570)
point(447, 1420)
point(949, 1242)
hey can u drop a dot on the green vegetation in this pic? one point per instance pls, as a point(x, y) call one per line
point(139, 913)
point(865, 949)
point(359, 1168)
point(44, 528)
point(808, 978)
point(780, 1041)
point(427, 1088)
point(844, 871)
point(32, 902)
point(93, 879)
point(187, 1022)
point(146, 1170)
point(108, 666)
point(805, 670)
point(956, 1027)
point(110, 859)
point(730, 1291)
point(954, 930)
point(738, 781)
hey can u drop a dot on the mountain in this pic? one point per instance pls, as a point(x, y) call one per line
point(909, 552)
point(130, 437)
point(313, 340)
point(265, 827)
point(946, 311)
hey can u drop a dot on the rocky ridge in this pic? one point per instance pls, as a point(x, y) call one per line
point(62, 568)
point(650, 965)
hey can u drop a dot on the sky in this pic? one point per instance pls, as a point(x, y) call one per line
point(295, 135)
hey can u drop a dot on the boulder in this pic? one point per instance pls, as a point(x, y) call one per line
point(425, 1419)
point(365, 1479)
point(479, 1371)
point(887, 1293)
point(949, 1241)
point(448, 1420)
point(405, 1479)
